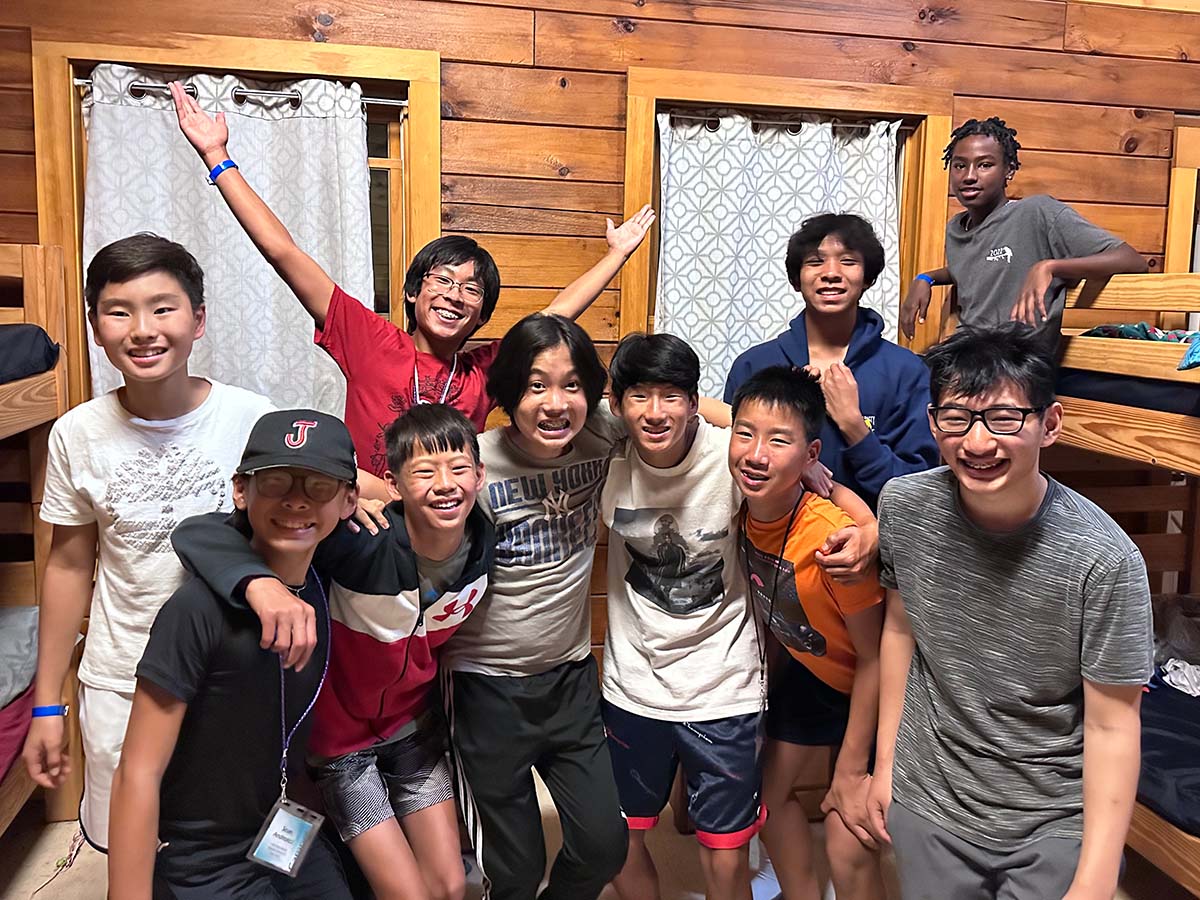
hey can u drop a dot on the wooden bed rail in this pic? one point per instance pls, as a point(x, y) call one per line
point(1131, 297)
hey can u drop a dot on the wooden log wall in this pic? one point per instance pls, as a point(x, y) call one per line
point(533, 98)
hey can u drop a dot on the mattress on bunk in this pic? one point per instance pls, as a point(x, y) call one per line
point(25, 350)
point(1170, 779)
point(1126, 390)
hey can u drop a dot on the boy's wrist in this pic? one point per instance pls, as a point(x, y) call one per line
point(214, 157)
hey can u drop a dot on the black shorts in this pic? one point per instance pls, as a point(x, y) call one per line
point(802, 709)
point(720, 765)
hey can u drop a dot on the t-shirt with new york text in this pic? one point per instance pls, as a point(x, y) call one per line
point(535, 614)
point(1007, 627)
point(137, 479)
point(382, 366)
point(681, 644)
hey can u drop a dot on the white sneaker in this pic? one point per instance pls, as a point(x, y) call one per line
point(764, 885)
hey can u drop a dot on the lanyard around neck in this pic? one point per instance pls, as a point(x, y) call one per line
point(747, 545)
point(417, 401)
point(285, 735)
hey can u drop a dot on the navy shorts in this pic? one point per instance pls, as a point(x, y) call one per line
point(720, 764)
point(802, 709)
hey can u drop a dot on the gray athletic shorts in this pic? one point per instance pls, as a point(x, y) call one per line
point(933, 864)
point(394, 779)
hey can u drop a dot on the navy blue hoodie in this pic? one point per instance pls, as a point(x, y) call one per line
point(893, 394)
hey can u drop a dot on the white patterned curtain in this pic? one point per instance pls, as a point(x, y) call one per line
point(310, 166)
point(731, 198)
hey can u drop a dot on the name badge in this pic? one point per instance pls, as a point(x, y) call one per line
point(286, 837)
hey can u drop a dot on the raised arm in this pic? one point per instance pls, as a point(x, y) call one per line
point(583, 291)
point(896, 648)
point(308, 281)
point(150, 738)
point(1112, 735)
point(66, 593)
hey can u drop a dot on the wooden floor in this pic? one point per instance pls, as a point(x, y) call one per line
point(30, 849)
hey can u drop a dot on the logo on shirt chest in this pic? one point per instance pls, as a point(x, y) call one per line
point(1000, 254)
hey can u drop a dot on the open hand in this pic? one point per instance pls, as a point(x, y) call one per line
point(629, 235)
point(369, 515)
point(1030, 307)
point(208, 135)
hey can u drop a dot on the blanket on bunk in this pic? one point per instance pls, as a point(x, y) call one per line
point(1170, 778)
point(1143, 331)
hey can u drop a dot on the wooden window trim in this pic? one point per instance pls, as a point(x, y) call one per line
point(1181, 200)
point(56, 112)
point(925, 183)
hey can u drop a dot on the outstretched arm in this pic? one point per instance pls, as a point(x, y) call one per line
point(308, 281)
point(583, 291)
point(1030, 307)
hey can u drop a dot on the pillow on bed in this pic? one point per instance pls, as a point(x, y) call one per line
point(18, 650)
point(25, 350)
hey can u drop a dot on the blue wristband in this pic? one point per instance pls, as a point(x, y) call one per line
point(928, 279)
point(43, 711)
point(219, 168)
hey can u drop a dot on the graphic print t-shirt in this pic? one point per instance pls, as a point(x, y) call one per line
point(137, 479)
point(680, 644)
point(811, 608)
point(381, 366)
point(536, 614)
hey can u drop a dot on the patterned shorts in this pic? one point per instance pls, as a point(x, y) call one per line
point(394, 779)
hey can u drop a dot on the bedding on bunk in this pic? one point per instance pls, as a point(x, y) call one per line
point(25, 350)
point(18, 664)
point(1128, 390)
point(1143, 331)
point(1170, 779)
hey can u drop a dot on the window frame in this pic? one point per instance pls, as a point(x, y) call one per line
point(57, 111)
point(924, 189)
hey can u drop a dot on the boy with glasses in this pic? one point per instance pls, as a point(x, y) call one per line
point(450, 291)
point(1016, 642)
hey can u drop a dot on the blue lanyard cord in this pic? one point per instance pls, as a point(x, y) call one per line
point(285, 735)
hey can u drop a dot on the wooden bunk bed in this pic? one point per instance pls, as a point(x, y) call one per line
point(1169, 441)
point(31, 291)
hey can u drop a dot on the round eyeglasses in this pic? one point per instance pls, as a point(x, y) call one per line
point(996, 419)
point(276, 483)
point(443, 285)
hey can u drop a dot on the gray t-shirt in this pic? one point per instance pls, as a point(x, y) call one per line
point(989, 263)
point(1007, 626)
point(535, 614)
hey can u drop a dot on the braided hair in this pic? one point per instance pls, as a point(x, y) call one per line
point(992, 127)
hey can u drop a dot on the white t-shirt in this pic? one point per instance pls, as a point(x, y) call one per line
point(681, 644)
point(138, 479)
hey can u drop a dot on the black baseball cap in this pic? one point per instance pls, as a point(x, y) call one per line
point(303, 438)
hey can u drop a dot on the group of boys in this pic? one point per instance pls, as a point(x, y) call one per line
point(1014, 635)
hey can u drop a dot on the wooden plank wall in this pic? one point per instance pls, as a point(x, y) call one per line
point(534, 95)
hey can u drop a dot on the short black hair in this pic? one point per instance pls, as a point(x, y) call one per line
point(787, 388)
point(855, 233)
point(520, 346)
point(654, 359)
point(433, 427)
point(976, 360)
point(452, 250)
point(140, 254)
point(993, 127)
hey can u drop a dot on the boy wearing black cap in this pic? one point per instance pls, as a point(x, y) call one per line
point(204, 766)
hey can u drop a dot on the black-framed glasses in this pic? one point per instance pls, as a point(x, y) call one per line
point(443, 284)
point(276, 483)
point(996, 419)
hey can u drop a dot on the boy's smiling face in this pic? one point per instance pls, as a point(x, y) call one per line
point(285, 519)
point(554, 407)
point(769, 452)
point(448, 308)
point(438, 489)
point(832, 277)
point(656, 417)
point(978, 173)
point(147, 326)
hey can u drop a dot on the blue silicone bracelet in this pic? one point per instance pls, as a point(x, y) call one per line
point(219, 168)
point(42, 711)
point(928, 279)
